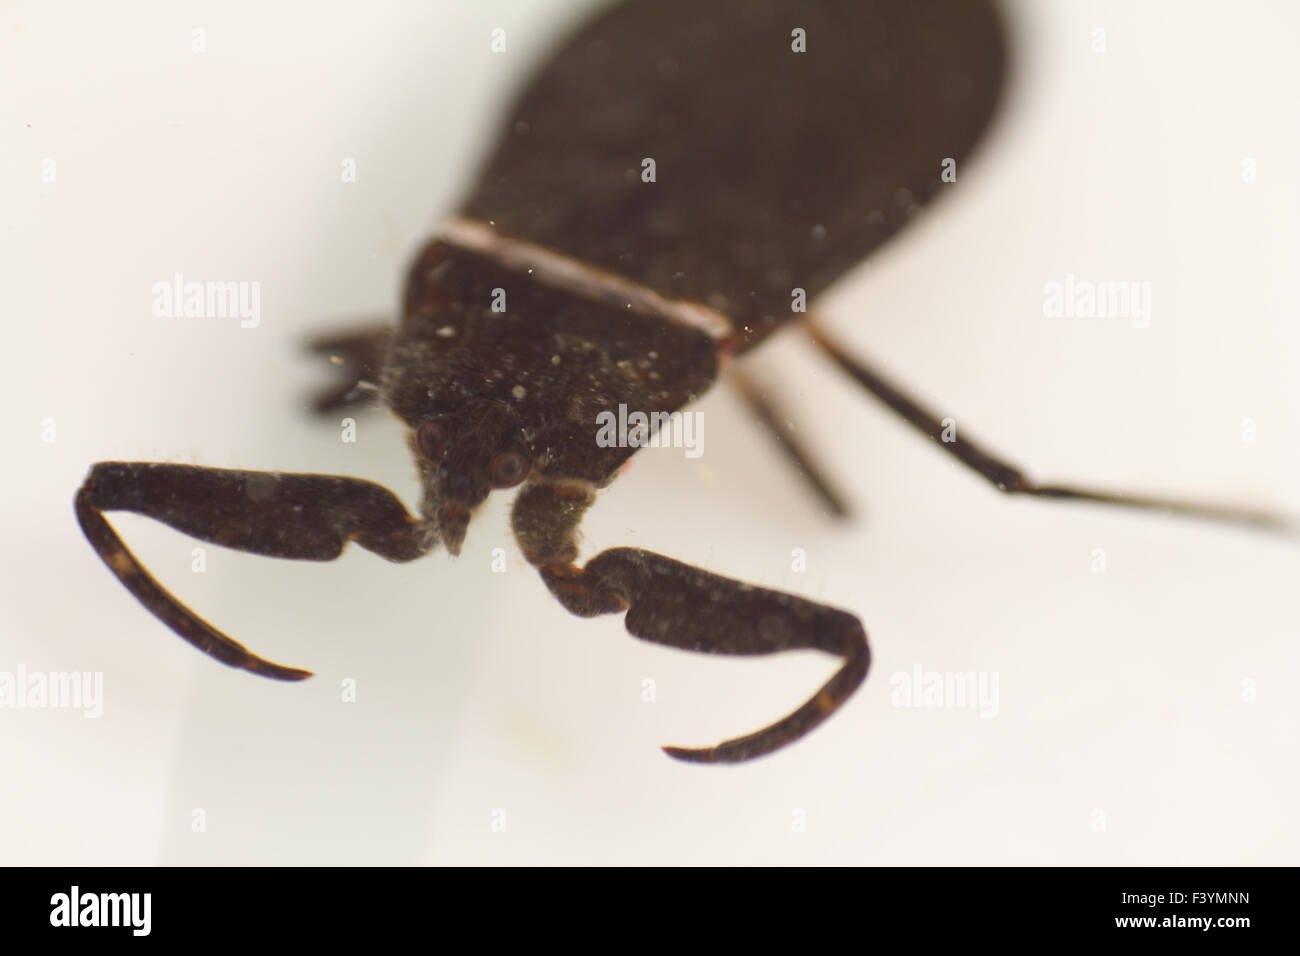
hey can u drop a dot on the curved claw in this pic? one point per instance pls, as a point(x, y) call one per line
point(277, 514)
point(128, 569)
point(682, 606)
point(790, 728)
point(677, 605)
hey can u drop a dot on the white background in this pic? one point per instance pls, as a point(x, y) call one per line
point(1123, 735)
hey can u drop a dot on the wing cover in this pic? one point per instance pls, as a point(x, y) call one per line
point(774, 169)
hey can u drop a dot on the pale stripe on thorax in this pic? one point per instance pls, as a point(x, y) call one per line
point(582, 279)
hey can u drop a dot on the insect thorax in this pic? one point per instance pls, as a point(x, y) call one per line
point(476, 331)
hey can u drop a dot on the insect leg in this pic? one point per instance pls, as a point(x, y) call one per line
point(361, 354)
point(681, 606)
point(1009, 479)
point(308, 517)
point(779, 428)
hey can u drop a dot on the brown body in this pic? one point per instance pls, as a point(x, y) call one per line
point(573, 285)
point(779, 161)
point(774, 169)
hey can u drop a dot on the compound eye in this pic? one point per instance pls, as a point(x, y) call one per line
point(509, 468)
point(431, 440)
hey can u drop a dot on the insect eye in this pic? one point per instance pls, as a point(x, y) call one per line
point(508, 469)
point(431, 440)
